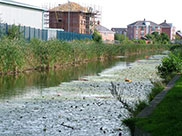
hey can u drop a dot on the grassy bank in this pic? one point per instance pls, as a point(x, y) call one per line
point(19, 55)
point(166, 119)
point(131, 122)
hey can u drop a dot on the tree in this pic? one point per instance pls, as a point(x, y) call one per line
point(164, 38)
point(96, 36)
point(120, 37)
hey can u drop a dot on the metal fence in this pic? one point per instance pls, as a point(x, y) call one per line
point(44, 34)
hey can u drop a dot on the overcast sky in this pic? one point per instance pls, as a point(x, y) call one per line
point(120, 13)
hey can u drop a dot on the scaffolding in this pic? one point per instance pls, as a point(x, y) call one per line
point(89, 16)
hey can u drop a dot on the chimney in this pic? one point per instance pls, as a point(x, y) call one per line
point(98, 22)
point(144, 20)
point(164, 21)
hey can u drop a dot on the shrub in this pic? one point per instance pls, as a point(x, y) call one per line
point(170, 64)
point(96, 36)
point(13, 32)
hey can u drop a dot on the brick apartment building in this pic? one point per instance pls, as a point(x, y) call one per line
point(139, 29)
point(72, 17)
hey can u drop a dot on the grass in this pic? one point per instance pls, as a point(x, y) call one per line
point(166, 119)
point(131, 122)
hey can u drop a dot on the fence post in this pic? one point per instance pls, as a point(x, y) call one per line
point(29, 33)
point(6, 28)
point(34, 32)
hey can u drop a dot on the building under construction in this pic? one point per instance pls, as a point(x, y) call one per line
point(73, 17)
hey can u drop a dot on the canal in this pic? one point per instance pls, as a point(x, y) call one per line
point(75, 101)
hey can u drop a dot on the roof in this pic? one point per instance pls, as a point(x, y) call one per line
point(119, 29)
point(144, 22)
point(70, 6)
point(179, 34)
point(101, 28)
point(18, 4)
point(164, 24)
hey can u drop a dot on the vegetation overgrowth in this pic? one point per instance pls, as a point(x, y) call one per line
point(18, 55)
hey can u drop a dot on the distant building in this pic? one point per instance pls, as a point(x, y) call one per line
point(139, 29)
point(120, 30)
point(72, 17)
point(169, 29)
point(17, 13)
point(107, 35)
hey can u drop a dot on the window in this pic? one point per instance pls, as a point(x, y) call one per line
point(142, 33)
point(153, 28)
point(142, 28)
point(136, 27)
point(158, 27)
point(136, 31)
point(136, 37)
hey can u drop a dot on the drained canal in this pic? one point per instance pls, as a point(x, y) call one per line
point(75, 101)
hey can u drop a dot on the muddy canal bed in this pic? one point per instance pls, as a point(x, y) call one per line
point(83, 107)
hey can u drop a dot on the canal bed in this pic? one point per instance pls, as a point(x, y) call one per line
point(80, 105)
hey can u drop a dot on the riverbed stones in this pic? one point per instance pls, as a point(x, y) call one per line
point(81, 108)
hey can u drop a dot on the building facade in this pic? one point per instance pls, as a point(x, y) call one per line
point(107, 35)
point(72, 17)
point(12, 12)
point(169, 29)
point(139, 29)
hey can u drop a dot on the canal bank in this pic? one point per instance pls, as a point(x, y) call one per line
point(81, 107)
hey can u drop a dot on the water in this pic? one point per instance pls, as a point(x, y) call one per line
point(32, 83)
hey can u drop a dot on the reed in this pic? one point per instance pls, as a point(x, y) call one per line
point(20, 55)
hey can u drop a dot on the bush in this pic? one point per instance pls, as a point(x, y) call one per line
point(96, 36)
point(170, 64)
point(13, 32)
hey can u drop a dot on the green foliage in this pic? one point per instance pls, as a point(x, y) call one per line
point(39, 54)
point(120, 37)
point(139, 107)
point(139, 41)
point(11, 55)
point(130, 122)
point(96, 36)
point(13, 32)
point(162, 38)
point(158, 87)
point(170, 64)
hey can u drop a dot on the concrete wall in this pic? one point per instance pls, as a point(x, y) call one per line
point(21, 16)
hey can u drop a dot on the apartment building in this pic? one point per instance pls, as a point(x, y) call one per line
point(72, 17)
point(139, 29)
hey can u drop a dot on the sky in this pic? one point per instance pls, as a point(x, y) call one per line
point(120, 13)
